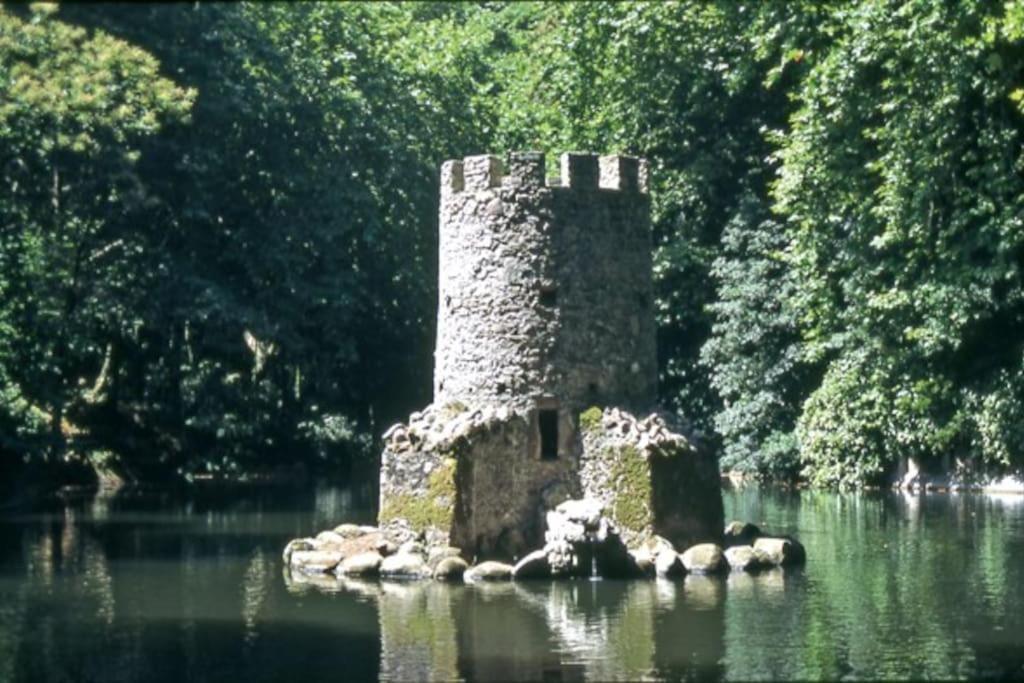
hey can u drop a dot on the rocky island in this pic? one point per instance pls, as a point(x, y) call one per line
point(544, 453)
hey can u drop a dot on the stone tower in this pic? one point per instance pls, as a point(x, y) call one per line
point(545, 339)
point(545, 288)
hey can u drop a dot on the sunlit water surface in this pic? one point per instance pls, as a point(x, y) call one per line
point(150, 587)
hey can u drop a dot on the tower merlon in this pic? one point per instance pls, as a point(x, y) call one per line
point(620, 173)
point(451, 176)
point(481, 172)
point(525, 169)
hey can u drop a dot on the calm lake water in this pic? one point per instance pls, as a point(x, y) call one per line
point(150, 587)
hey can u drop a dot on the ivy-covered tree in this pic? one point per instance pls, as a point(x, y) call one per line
point(901, 190)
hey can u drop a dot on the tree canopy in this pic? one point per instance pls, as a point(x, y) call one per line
point(218, 240)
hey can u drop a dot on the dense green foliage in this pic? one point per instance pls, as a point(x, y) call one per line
point(218, 247)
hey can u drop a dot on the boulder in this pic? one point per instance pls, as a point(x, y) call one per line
point(667, 564)
point(326, 540)
point(580, 541)
point(314, 561)
point(297, 544)
point(349, 530)
point(781, 551)
point(643, 562)
point(404, 566)
point(450, 569)
point(740, 533)
point(704, 558)
point(561, 559)
point(562, 528)
point(746, 558)
point(411, 548)
point(654, 546)
point(489, 571)
point(533, 566)
point(587, 512)
point(363, 564)
point(436, 554)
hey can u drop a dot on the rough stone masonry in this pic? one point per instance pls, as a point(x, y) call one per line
point(545, 355)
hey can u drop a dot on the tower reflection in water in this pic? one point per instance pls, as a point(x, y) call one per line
point(554, 630)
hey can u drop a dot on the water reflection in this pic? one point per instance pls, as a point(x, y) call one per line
point(566, 630)
point(150, 587)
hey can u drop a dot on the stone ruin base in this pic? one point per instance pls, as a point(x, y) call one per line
point(466, 496)
point(478, 479)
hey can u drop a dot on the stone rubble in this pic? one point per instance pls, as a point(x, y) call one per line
point(580, 541)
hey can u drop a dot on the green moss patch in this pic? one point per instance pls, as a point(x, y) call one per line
point(435, 508)
point(631, 481)
point(590, 419)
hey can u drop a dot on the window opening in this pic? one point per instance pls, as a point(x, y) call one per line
point(547, 422)
point(549, 297)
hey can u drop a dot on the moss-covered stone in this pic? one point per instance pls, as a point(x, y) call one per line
point(435, 508)
point(631, 482)
point(590, 419)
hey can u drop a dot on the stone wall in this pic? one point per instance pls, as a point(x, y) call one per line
point(472, 479)
point(651, 478)
point(545, 287)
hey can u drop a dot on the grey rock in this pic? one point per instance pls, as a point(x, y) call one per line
point(704, 558)
point(489, 571)
point(348, 530)
point(404, 566)
point(560, 527)
point(646, 553)
point(587, 512)
point(746, 558)
point(644, 563)
point(314, 561)
point(781, 551)
point(297, 544)
point(328, 540)
point(561, 558)
point(411, 548)
point(533, 566)
point(363, 564)
point(436, 554)
point(668, 564)
point(450, 569)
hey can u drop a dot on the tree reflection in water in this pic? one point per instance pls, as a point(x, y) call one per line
point(155, 588)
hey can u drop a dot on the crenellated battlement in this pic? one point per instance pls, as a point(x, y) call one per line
point(577, 170)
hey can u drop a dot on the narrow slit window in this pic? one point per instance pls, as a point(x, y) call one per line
point(549, 297)
point(547, 422)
